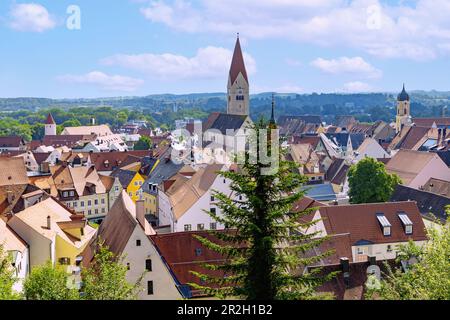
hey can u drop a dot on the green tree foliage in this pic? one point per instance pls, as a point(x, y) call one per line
point(7, 276)
point(105, 279)
point(264, 248)
point(428, 279)
point(47, 282)
point(71, 123)
point(144, 143)
point(370, 183)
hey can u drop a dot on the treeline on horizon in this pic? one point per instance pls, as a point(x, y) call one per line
point(26, 116)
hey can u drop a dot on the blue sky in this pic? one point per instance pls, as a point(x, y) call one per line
point(140, 47)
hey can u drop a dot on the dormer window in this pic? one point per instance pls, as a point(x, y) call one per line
point(385, 224)
point(406, 222)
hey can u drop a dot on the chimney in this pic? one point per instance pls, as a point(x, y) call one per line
point(45, 167)
point(140, 212)
point(372, 260)
point(49, 222)
point(10, 196)
point(345, 266)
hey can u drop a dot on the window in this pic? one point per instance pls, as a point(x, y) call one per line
point(103, 210)
point(96, 211)
point(213, 226)
point(198, 252)
point(213, 210)
point(72, 193)
point(150, 288)
point(128, 266)
point(409, 229)
point(148, 264)
point(75, 204)
point(136, 183)
point(82, 203)
point(138, 243)
point(103, 200)
point(89, 203)
point(360, 251)
point(64, 261)
point(65, 194)
point(200, 226)
point(187, 227)
point(96, 202)
point(116, 188)
point(389, 248)
point(224, 180)
point(89, 212)
point(386, 231)
point(212, 198)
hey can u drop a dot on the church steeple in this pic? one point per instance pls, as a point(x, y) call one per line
point(272, 118)
point(403, 110)
point(238, 101)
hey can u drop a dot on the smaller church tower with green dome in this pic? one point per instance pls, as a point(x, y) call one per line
point(403, 110)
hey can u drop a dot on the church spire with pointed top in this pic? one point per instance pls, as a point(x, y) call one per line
point(272, 122)
point(238, 86)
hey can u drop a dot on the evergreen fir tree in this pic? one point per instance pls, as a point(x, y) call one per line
point(264, 247)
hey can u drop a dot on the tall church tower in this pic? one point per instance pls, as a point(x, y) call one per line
point(238, 101)
point(403, 110)
point(50, 126)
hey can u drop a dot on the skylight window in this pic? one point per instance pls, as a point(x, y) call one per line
point(407, 223)
point(385, 224)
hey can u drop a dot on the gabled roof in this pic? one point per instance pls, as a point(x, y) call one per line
point(164, 170)
point(99, 131)
point(186, 192)
point(321, 192)
point(125, 176)
point(224, 121)
point(360, 221)
point(36, 218)
point(108, 161)
point(184, 253)
point(407, 164)
point(427, 202)
point(437, 186)
point(117, 228)
point(11, 142)
point(428, 122)
point(334, 168)
point(237, 63)
point(11, 240)
point(12, 171)
point(341, 175)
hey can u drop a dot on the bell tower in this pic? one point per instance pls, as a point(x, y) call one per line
point(238, 98)
point(403, 110)
point(50, 126)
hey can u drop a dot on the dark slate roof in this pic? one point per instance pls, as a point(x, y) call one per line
point(427, 202)
point(357, 139)
point(403, 96)
point(334, 169)
point(340, 138)
point(125, 176)
point(445, 156)
point(339, 178)
point(321, 192)
point(163, 171)
point(224, 121)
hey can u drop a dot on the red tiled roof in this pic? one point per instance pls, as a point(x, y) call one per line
point(361, 222)
point(183, 254)
point(237, 64)
point(11, 142)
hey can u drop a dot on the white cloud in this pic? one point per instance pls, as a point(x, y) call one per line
point(357, 87)
point(209, 62)
point(420, 31)
point(343, 65)
point(104, 81)
point(30, 17)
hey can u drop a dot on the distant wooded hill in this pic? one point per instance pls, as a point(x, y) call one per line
point(365, 107)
